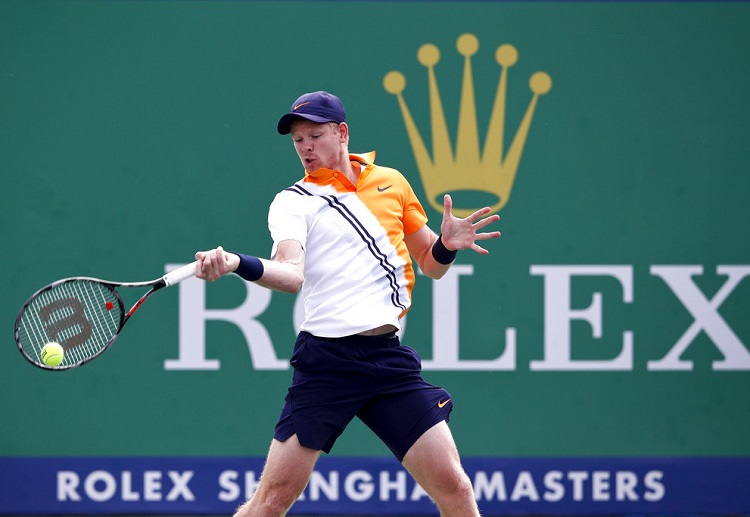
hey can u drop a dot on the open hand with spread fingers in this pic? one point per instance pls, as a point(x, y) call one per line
point(460, 234)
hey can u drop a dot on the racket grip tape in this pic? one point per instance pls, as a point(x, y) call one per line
point(179, 274)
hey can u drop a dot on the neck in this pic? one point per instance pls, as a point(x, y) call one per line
point(344, 165)
point(349, 171)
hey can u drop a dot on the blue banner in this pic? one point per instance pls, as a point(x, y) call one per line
point(367, 486)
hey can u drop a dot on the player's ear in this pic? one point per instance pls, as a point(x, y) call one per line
point(343, 130)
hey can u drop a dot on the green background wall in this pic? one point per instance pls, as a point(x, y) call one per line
point(134, 133)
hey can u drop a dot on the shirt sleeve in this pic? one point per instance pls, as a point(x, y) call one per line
point(287, 220)
point(414, 214)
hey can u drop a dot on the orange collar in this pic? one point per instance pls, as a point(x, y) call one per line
point(338, 179)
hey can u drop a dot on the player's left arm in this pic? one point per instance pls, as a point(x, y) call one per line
point(435, 254)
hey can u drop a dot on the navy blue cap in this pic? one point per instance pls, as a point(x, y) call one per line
point(315, 106)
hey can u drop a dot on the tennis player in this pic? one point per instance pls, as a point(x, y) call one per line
point(345, 234)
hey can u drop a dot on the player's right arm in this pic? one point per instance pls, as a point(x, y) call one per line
point(285, 272)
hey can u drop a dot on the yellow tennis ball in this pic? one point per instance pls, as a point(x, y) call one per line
point(52, 354)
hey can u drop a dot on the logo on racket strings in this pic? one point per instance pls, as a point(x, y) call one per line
point(65, 322)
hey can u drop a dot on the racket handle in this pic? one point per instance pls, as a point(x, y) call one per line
point(179, 274)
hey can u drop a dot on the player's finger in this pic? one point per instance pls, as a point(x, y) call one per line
point(481, 223)
point(448, 204)
point(488, 235)
point(480, 249)
point(476, 216)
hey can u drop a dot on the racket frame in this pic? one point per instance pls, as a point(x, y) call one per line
point(169, 279)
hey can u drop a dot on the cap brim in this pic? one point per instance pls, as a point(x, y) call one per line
point(285, 123)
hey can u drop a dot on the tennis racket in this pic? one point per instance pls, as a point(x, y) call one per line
point(84, 315)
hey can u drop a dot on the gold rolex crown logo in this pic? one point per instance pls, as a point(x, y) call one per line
point(466, 170)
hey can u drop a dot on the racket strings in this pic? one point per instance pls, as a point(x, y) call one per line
point(82, 315)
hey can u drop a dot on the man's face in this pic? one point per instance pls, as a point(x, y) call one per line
point(318, 145)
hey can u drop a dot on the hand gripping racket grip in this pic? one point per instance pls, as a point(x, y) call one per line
point(179, 274)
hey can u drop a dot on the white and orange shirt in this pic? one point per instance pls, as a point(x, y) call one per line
point(358, 273)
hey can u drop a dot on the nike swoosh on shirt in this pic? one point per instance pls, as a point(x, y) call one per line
point(442, 404)
point(383, 189)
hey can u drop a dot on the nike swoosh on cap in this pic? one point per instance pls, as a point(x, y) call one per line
point(298, 106)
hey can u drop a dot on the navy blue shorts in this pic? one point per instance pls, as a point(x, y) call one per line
point(371, 377)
